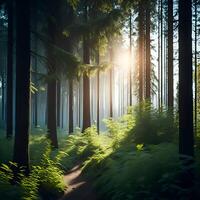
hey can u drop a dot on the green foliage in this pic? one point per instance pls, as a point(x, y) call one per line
point(153, 126)
point(45, 180)
point(51, 183)
point(122, 168)
point(117, 129)
point(80, 147)
point(8, 191)
point(5, 149)
point(135, 174)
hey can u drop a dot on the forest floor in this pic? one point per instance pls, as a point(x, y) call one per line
point(79, 188)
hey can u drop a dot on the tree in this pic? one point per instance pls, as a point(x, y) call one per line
point(9, 103)
point(71, 116)
point(111, 81)
point(148, 52)
point(130, 57)
point(52, 79)
point(21, 152)
point(86, 79)
point(186, 138)
point(196, 64)
point(170, 55)
point(98, 93)
point(141, 49)
point(185, 79)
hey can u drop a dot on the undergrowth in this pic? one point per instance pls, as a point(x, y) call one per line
point(44, 182)
point(137, 158)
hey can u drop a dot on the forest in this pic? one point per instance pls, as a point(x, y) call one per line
point(99, 99)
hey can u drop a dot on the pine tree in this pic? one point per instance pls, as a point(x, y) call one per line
point(9, 103)
point(21, 150)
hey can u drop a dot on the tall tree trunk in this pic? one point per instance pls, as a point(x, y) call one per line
point(58, 102)
point(170, 56)
point(141, 50)
point(21, 150)
point(148, 52)
point(98, 95)
point(9, 103)
point(71, 117)
point(186, 137)
point(196, 67)
point(86, 80)
point(185, 79)
point(51, 112)
point(161, 55)
point(111, 82)
point(3, 94)
point(130, 59)
point(52, 89)
point(159, 105)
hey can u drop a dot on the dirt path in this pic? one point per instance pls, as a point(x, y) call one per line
point(78, 187)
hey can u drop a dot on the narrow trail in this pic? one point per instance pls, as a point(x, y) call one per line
point(78, 187)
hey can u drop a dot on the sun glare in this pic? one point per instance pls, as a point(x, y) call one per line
point(123, 59)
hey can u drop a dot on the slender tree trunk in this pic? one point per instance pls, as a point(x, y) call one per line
point(52, 89)
point(141, 50)
point(71, 120)
point(161, 55)
point(51, 112)
point(159, 104)
point(9, 103)
point(130, 59)
point(111, 82)
point(3, 94)
point(21, 150)
point(86, 80)
point(98, 95)
point(148, 53)
point(170, 56)
point(58, 102)
point(196, 69)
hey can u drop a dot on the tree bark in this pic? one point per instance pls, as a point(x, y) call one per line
point(161, 55)
point(51, 112)
point(111, 81)
point(185, 79)
point(21, 151)
point(98, 94)
point(86, 81)
point(186, 137)
point(9, 103)
point(196, 67)
point(130, 59)
point(58, 102)
point(71, 117)
point(148, 52)
point(141, 50)
point(52, 86)
point(170, 56)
